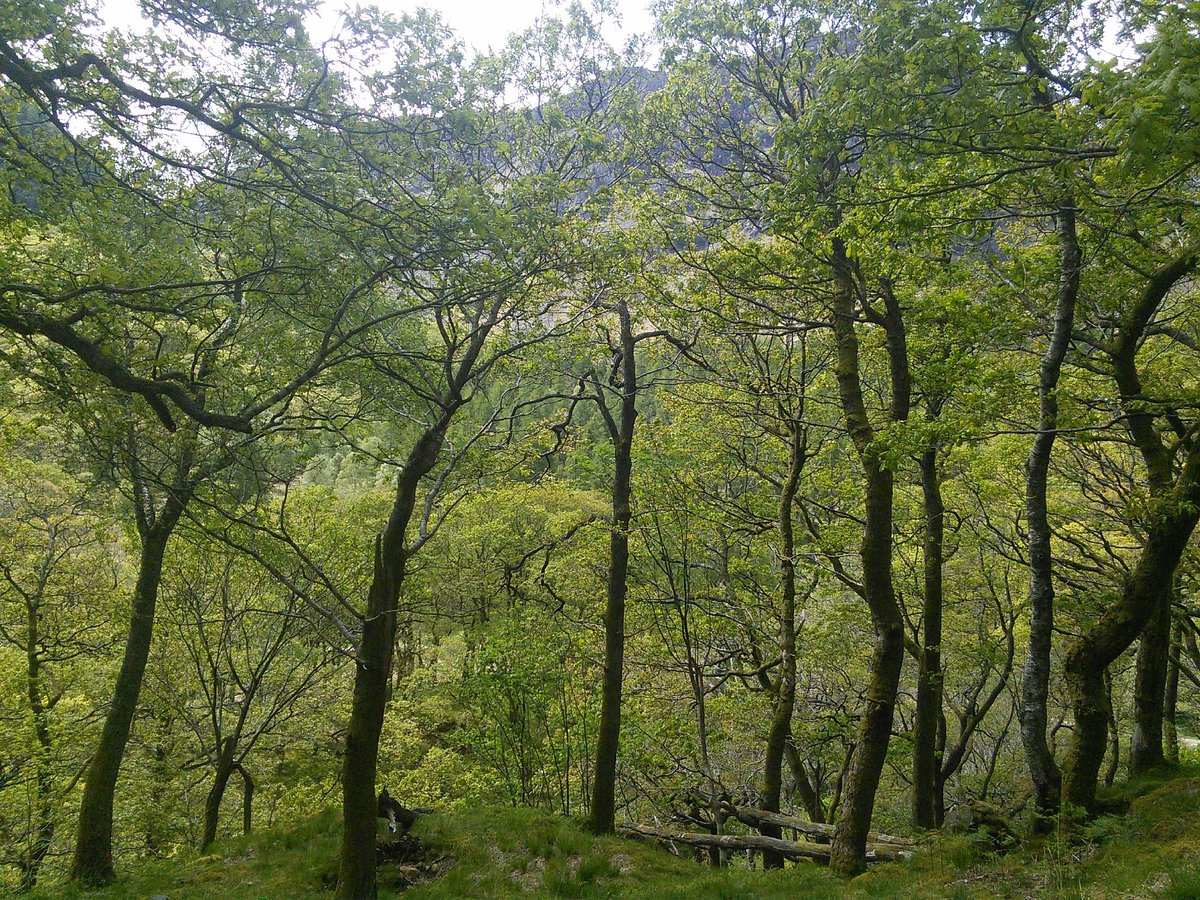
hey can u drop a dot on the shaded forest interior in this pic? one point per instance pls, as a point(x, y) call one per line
point(780, 433)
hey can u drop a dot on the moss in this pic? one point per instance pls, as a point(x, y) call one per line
point(497, 853)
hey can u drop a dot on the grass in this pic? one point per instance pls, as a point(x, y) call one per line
point(1151, 851)
point(278, 863)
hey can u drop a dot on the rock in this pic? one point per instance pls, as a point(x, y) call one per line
point(960, 819)
point(973, 816)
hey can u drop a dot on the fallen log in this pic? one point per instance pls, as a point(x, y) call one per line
point(788, 849)
point(822, 834)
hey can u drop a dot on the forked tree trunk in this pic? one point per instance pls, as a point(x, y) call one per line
point(1117, 628)
point(1035, 681)
point(848, 853)
point(785, 689)
point(93, 860)
point(1172, 519)
point(604, 786)
point(212, 803)
point(373, 663)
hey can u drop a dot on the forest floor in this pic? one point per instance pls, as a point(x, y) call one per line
point(1152, 850)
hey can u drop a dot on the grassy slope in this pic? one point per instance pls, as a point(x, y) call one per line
point(1154, 851)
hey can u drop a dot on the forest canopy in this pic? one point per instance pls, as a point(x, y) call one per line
point(802, 427)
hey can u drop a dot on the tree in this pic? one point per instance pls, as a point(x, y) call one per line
point(258, 654)
point(54, 548)
point(182, 300)
point(486, 287)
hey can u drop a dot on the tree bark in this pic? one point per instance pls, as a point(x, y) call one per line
point(1171, 698)
point(848, 854)
point(43, 829)
point(212, 803)
point(785, 688)
point(93, 861)
point(1114, 738)
point(804, 785)
point(695, 670)
point(1117, 628)
point(604, 785)
point(788, 849)
point(372, 673)
point(1149, 692)
point(926, 781)
point(1035, 681)
point(1172, 519)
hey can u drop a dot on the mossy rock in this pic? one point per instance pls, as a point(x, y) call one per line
point(978, 817)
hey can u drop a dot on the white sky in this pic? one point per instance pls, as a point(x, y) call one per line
point(488, 23)
point(480, 23)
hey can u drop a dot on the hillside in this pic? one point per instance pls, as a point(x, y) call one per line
point(789, 415)
point(1151, 851)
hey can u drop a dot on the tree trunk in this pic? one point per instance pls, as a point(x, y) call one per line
point(1114, 737)
point(372, 672)
point(785, 689)
point(926, 783)
point(848, 855)
point(93, 861)
point(43, 829)
point(247, 799)
point(1146, 744)
point(695, 670)
point(874, 733)
point(1171, 699)
point(43, 834)
point(804, 785)
point(1086, 660)
point(789, 849)
point(212, 803)
point(944, 772)
point(817, 831)
point(1035, 682)
point(604, 785)
point(1171, 520)
point(356, 873)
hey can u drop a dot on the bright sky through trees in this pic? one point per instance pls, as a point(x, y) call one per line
point(482, 24)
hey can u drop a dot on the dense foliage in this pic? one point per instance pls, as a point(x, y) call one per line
point(808, 422)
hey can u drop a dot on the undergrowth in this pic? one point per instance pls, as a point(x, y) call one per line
point(1152, 850)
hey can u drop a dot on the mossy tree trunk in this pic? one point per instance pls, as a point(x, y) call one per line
point(1116, 629)
point(212, 803)
point(93, 859)
point(1171, 697)
point(40, 706)
point(1149, 691)
point(848, 851)
point(1173, 474)
point(373, 664)
point(1035, 679)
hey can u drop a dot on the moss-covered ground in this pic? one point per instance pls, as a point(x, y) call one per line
point(1151, 850)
